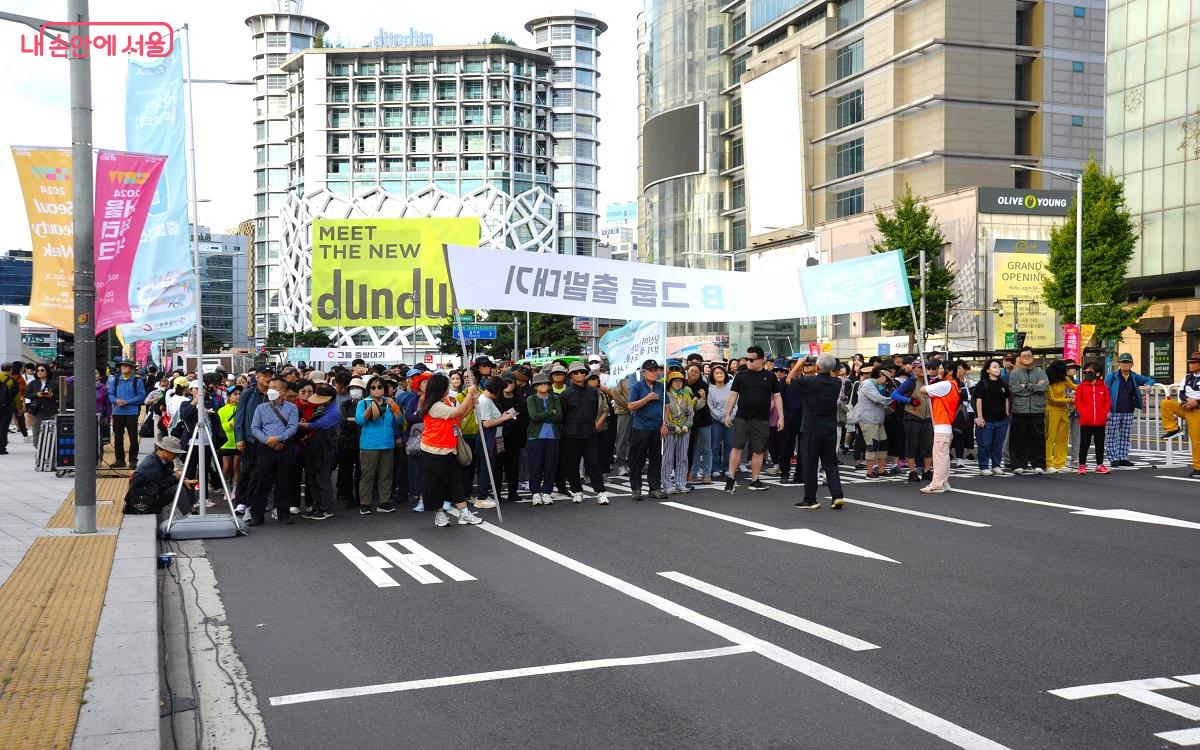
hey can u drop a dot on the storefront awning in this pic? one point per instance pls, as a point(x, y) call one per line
point(1155, 325)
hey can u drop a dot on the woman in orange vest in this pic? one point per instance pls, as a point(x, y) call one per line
point(441, 475)
point(943, 406)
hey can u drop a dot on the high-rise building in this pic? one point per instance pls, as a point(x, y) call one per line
point(277, 35)
point(572, 41)
point(414, 132)
point(16, 277)
point(618, 232)
point(1152, 124)
point(223, 287)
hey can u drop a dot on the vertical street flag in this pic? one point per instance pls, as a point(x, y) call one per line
point(163, 291)
point(1071, 342)
point(45, 176)
point(125, 186)
point(631, 344)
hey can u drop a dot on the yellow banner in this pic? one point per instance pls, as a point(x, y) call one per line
point(1018, 274)
point(1086, 332)
point(45, 176)
point(384, 272)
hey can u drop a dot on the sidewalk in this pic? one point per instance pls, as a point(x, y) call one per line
point(79, 647)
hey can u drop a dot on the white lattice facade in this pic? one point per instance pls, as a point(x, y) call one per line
point(527, 221)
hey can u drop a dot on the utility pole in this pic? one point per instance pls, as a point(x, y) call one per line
point(86, 437)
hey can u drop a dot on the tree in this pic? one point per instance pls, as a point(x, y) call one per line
point(212, 344)
point(498, 38)
point(913, 228)
point(284, 339)
point(1109, 238)
point(555, 332)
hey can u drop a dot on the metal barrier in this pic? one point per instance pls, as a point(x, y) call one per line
point(1146, 435)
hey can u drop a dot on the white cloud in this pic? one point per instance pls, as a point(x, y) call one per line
point(35, 89)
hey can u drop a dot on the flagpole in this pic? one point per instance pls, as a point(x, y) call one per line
point(470, 376)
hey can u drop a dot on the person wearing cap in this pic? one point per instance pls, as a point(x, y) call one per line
point(1029, 385)
point(126, 393)
point(917, 423)
point(680, 417)
point(228, 450)
point(349, 470)
point(316, 376)
point(1187, 407)
point(154, 481)
point(247, 444)
point(582, 420)
point(700, 445)
point(754, 391)
point(1124, 386)
point(376, 414)
point(319, 436)
point(646, 403)
point(558, 377)
point(274, 428)
point(545, 430)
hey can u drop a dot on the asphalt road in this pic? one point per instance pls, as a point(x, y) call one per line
point(941, 630)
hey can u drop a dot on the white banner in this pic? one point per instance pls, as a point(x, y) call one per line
point(632, 344)
point(491, 279)
point(324, 359)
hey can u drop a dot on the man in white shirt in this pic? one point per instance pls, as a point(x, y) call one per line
point(1188, 407)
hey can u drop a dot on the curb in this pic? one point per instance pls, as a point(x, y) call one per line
point(121, 708)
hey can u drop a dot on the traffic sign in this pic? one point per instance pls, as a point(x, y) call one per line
point(479, 332)
point(584, 325)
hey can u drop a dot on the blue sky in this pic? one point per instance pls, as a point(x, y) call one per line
point(35, 89)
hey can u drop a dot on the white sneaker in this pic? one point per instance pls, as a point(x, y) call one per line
point(1018, 471)
point(441, 519)
point(547, 499)
point(602, 499)
point(998, 472)
point(537, 499)
point(671, 490)
point(985, 472)
point(466, 517)
point(485, 504)
point(240, 509)
point(1050, 470)
point(682, 490)
point(294, 510)
point(1038, 470)
point(577, 498)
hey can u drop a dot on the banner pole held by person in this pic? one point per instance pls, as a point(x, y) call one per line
point(470, 377)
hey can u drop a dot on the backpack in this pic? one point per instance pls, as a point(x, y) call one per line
point(142, 497)
point(8, 393)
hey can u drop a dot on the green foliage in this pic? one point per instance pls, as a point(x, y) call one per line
point(552, 331)
point(1109, 238)
point(212, 344)
point(283, 339)
point(498, 38)
point(911, 229)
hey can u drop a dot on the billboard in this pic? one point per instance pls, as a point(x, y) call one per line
point(673, 144)
point(1025, 202)
point(773, 145)
point(1018, 272)
point(45, 176)
point(384, 272)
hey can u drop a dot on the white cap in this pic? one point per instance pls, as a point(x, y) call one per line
point(194, 385)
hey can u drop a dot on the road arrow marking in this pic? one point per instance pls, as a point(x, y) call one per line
point(1118, 514)
point(807, 537)
point(1177, 479)
point(906, 511)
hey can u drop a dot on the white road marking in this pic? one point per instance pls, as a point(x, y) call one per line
point(906, 511)
point(1118, 514)
point(888, 704)
point(1177, 479)
point(505, 674)
point(778, 615)
point(1182, 737)
point(807, 537)
point(1116, 688)
point(413, 562)
point(1018, 499)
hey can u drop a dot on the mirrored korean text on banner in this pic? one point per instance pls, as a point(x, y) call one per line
point(162, 286)
point(45, 177)
point(384, 272)
point(125, 186)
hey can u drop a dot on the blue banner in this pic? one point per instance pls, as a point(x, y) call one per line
point(162, 286)
point(631, 344)
point(873, 282)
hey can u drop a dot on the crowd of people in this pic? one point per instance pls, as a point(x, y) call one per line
point(376, 438)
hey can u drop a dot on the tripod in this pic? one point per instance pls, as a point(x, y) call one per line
point(218, 525)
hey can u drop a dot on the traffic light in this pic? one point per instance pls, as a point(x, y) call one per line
point(66, 353)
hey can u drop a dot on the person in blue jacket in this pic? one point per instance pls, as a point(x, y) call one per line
point(1124, 386)
point(126, 393)
point(376, 413)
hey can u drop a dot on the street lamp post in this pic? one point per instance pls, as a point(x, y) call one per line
point(1078, 180)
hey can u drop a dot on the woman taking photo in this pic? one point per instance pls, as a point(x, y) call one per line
point(376, 444)
point(41, 398)
point(441, 475)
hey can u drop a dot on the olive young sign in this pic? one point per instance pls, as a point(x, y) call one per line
point(1027, 202)
point(384, 272)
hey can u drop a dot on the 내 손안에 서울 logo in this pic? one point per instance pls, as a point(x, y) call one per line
point(142, 38)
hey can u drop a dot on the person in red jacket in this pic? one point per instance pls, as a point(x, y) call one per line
point(1092, 401)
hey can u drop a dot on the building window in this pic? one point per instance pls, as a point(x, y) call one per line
point(561, 123)
point(472, 115)
point(473, 89)
point(422, 68)
point(585, 57)
point(339, 143)
point(849, 60)
point(585, 78)
point(735, 154)
point(1076, 121)
point(735, 112)
point(366, 118)
point(737, 67)
point(339, 92)
point(393, 117)
point(339, 118)
point(277, 82)
point(366, 92)
point(1077, 66)
point(419, 143)
point(368, 69)
point(737, 234)
point(737, 28)
point(447, 115)
point(560, 54)
point(393, 92)
point(850, 108)
point(367, 144)
point(841, 327)
point(561, 99)
point(560, 33)
point(1080, 12)
point(393, 143)
point(275, 59)
point(848, 203)
point(871, 324)
point(447, 67)
point(473, 66)
point(338, 166)
point(418, 164)
point(585, 150)
point(447, 142)
point(737, 194)
point(277, 40)
point(541, 35)
point(473, 141)
point(584, 223)
point(393, 67)
point(445, 91)
point(584, 35)
point(849, 157)
point(561, 75)
point(849, 12)
point(418, 91)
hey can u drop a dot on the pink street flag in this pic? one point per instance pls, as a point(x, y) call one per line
point(125, 185)
point(1071, 342)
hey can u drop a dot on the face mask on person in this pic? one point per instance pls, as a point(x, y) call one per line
point(1089, 376)
point(272, 394)
point(356, 393)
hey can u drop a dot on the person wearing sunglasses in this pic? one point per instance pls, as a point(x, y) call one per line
point(376, 414)
point(753, 391)
point(41, 398)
